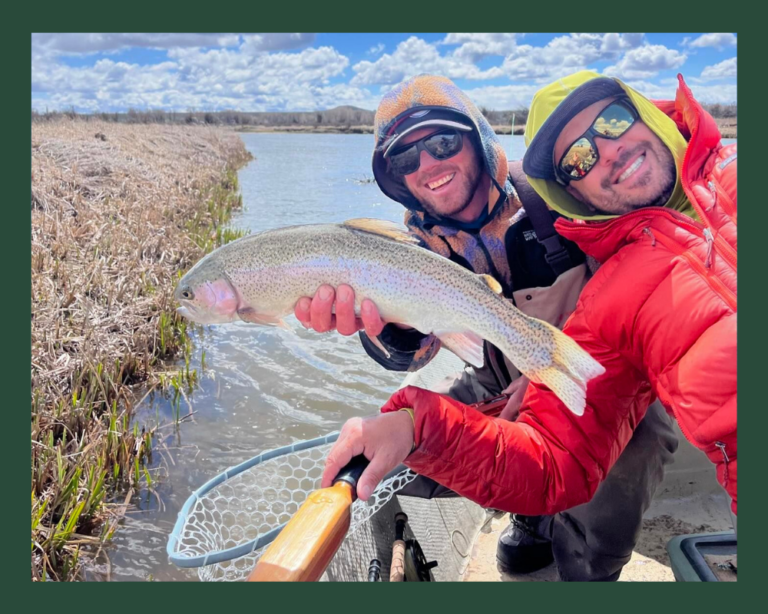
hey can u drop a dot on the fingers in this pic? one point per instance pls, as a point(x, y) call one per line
point(374, 473)
point(371, 319)
point(317, 313)
point(301, 311)
point(385, 440)
point(388, 441)
point(321, 309)
point(511, 410)
point(512, 388)
point(517, 390)
point(348, 444)
point(346, 321)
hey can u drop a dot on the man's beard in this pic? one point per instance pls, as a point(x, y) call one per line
point(471, 183)
point(665, 181)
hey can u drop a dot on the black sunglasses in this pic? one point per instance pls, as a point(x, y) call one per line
point(582, 155)
point(440, 145)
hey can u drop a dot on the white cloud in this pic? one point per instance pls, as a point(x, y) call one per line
point(646, 62)
point(564, 55)
point(415, 56)
point(257, 43)
point(244, 78)
point(73, 44)
point(613, 42)
point(503, 97)
point(717, 40)
point(667, 88)
point(474, 47)
point(259, 72)
point(723, 70)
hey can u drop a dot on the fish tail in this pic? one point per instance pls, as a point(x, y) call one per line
point(570, 369)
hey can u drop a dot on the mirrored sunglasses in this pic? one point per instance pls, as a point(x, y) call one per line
point(582, 155)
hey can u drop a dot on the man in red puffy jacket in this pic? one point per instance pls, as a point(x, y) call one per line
point(650, 192)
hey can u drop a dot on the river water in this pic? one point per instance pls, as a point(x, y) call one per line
point(261, 387)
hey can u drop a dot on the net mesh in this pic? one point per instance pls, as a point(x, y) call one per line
point(253, 503)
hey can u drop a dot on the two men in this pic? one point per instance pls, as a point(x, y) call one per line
point(438, 156)
point(659, 314)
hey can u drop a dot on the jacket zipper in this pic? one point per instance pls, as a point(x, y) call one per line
point(726, 460)
point(718, 444)
point(697, 228)
point(710, 243)
point(727, 203)
point(713, 190)
point(717, 285)
point(647, 230)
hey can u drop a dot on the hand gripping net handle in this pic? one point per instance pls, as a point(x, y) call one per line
point(243, 509)
point(224, 526)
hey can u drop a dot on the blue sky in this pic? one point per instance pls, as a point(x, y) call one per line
point(305, 72)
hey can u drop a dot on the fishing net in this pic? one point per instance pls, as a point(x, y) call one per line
point(225, 526)
point(227, 523)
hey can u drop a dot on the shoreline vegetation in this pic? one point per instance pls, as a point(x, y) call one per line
point(727, 129)
point(121, 204)
point(118, 212)
point(339, 120)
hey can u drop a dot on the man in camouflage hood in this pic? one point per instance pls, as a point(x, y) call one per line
point(438, 156)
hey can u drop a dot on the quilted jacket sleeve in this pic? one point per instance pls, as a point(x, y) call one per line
point(549, 459)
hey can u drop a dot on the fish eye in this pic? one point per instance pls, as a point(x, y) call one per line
point(187, 294)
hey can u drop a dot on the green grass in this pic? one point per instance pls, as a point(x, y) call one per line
point(87, 449)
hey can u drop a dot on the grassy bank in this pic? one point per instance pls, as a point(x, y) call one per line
point(727, 127)
point(117, 213)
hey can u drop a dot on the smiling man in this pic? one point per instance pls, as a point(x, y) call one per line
point(659, 314)
point(437, 155)
point(637, 169)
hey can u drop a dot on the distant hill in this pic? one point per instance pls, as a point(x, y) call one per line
point(338, 119)
point(338, 116)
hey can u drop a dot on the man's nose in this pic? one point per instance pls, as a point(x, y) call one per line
point(426, 161)
point(609, 150)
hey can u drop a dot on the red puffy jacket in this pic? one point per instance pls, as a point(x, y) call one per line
point(659, 315)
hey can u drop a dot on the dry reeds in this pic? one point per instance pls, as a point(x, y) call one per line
point(118, 212)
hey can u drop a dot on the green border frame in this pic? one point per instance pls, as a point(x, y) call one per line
point(142, 16)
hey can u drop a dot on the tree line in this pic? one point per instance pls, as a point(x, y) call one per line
point(339, 116)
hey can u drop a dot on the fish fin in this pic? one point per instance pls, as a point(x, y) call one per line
point(567, 377)
point(247, 314)
point(383, 228)
point(491, 283)
point(378, 344)
point(569, 390)
point(467, 346)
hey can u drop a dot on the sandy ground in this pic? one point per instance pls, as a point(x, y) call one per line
point(688, 501)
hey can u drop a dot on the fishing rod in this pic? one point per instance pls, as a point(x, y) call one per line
point(225, 525)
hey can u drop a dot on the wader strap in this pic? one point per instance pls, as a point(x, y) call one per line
point(557, 256)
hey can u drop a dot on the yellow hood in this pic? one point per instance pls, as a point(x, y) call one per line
point(546, 101)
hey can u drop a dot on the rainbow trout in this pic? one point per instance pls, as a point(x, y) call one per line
point(259, 279)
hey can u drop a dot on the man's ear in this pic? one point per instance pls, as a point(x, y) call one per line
point(575, 193)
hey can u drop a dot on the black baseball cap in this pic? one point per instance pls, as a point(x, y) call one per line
point(425, 117)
